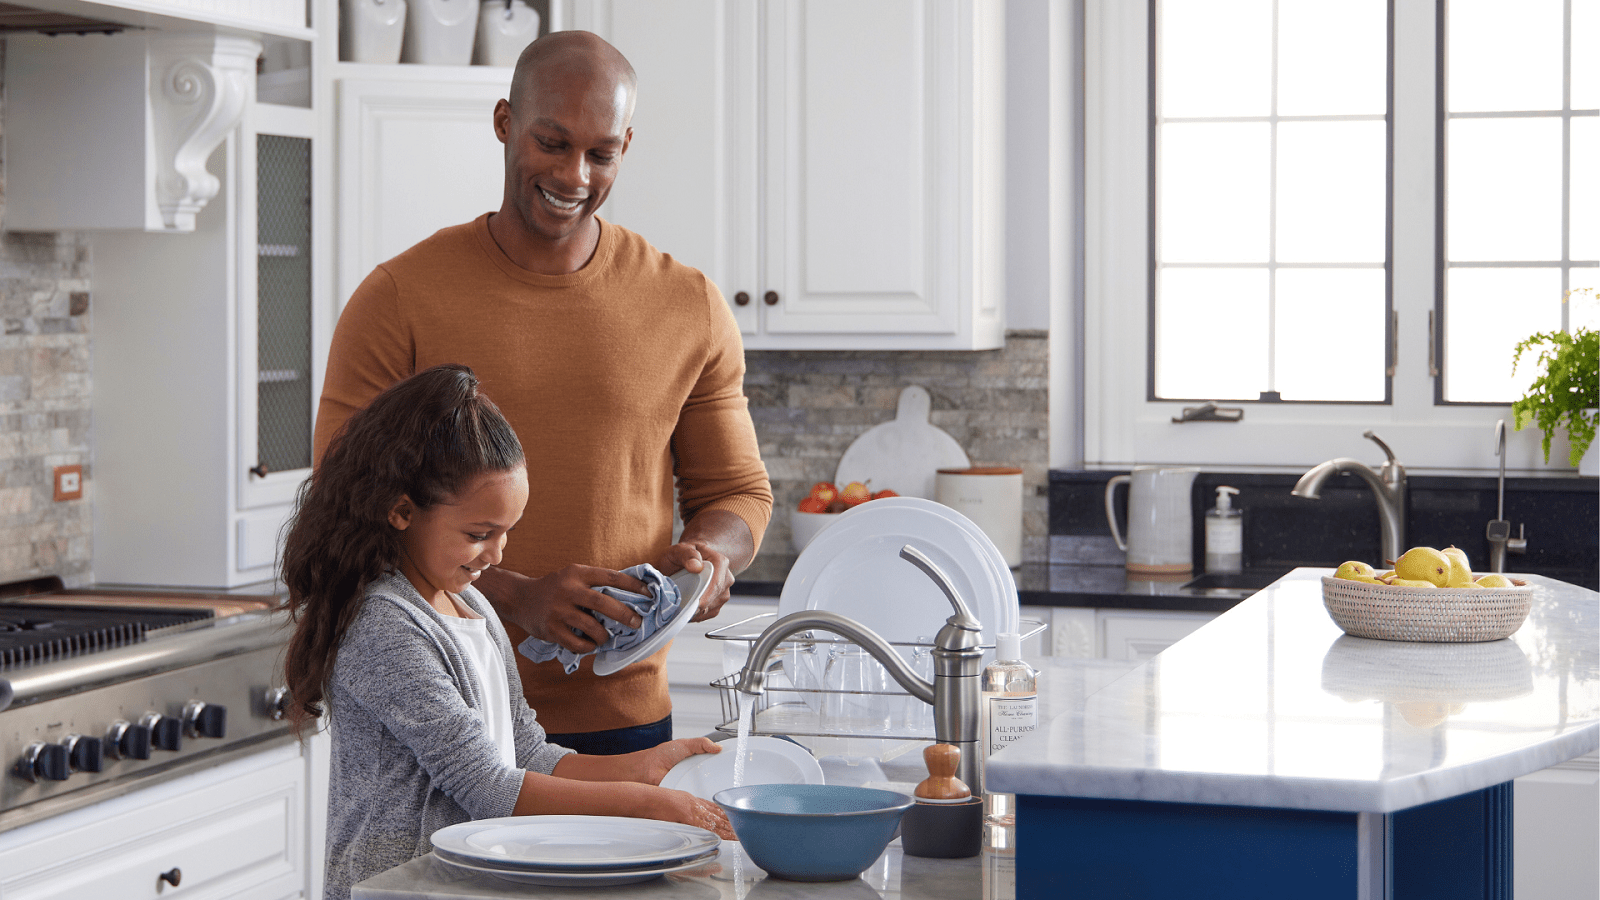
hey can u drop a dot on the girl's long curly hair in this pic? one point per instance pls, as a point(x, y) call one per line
point(424, 438)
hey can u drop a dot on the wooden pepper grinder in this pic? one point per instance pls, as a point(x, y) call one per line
point(942, 785)
point(946, 822)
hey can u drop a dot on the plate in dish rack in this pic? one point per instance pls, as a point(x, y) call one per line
point(580, 843)
point(854, 568)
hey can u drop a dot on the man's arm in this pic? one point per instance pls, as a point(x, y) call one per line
point(724, 494)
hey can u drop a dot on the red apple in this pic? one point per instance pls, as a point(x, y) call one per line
point(855, 493)
point(884, 493)
point(824, 491)
point(813, 505)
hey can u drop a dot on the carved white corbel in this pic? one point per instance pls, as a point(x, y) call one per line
point(199, 88)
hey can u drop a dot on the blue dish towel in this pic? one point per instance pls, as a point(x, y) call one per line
point(656, 609)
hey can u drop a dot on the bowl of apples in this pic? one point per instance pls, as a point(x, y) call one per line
point(1430, 595)
point(822, 506)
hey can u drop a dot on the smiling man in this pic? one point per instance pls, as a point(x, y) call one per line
point(621, 369)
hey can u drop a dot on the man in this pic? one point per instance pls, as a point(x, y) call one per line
point(621, 369)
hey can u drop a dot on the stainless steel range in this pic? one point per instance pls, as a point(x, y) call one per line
point(103, 692)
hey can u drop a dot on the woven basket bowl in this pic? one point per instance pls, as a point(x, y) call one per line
point(1434, 615)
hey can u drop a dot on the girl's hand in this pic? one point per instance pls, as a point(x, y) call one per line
point(653, 764)
point(687, 809)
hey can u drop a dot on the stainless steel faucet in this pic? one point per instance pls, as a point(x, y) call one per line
point(1499, 530)
point(957, 665)
point(1389, 488)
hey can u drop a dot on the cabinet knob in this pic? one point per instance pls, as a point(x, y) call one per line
point(259, 470)
point(172, 876)
point(277, 703)
point(770, 298)
point(741, 299)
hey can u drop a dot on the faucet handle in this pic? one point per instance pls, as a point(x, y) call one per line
point(1379, 441)
point(963, 616)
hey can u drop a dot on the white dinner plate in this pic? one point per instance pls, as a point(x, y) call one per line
point(570, 843)
point(580, 878)
point(693, 586)
point(854, 568)
point(767, 760)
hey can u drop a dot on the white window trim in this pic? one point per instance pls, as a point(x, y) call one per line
point(1122, 428)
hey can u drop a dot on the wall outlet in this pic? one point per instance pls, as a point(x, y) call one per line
point(68, 483)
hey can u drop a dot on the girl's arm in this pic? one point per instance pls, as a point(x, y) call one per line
point(644, 766)
point(553, 795)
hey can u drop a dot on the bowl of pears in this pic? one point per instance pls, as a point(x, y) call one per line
point(1429, 595)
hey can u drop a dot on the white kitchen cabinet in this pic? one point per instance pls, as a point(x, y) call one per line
point(417, 152)
point(1128, 634)
point(835, 167)
point(248, 829)
point(208, 354)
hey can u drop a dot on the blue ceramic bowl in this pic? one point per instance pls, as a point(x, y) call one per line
point(813, 832)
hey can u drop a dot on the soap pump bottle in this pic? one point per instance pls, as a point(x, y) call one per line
point(1010, 710)
point(1224, 534)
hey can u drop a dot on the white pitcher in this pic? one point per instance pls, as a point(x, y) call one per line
point(1160, 519)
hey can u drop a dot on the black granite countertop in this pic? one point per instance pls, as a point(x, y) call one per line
point(1070, 584)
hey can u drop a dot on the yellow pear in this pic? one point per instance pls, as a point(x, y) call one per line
point(1385, 577)
point(1493, 580)
point(1460, 569)
point(1423, 564)
point(1354, 571)
point(1412, 582)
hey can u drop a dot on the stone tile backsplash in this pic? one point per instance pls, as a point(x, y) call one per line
point(810, 406)
point(44, 402)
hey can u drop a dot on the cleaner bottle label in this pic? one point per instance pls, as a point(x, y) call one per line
point(1010, 717)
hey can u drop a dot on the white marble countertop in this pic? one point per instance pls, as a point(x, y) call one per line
point(731, 876)
point(1270, 704)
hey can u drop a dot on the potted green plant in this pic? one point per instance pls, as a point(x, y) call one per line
point(1566, 392)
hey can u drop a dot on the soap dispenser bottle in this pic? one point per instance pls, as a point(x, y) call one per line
point(1224, 534)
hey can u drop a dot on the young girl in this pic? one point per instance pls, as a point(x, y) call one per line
point(411, 503)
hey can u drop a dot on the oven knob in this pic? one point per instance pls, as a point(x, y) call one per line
point(44, 761)
point(125, 741)
point(166, 732)
point(277, 701)
point(205, 720)
point(84, 754)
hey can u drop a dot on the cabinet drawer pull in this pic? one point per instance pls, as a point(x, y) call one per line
point(259, 470)
point(172, 876)
point(770, 298)
point(741, 299)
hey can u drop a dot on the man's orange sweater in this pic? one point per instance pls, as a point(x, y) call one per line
point(624, 381)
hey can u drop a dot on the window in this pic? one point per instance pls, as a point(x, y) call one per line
point(1271, 203)
point(1272, 218)
point(1520, 192)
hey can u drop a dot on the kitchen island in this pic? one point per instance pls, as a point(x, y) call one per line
point(1270, 755)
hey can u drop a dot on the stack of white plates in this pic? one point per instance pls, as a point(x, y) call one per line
point(588, 851)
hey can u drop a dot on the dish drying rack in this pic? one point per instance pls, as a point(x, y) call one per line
point(811, 710)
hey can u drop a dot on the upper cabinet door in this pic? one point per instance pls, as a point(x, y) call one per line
point(416, 154)
point(835, 166)
point(689, 181)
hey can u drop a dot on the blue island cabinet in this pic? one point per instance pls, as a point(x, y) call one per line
point(1269, 755)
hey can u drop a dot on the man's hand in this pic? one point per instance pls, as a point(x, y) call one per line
point(695, 556)
point(718, 537)
point(550, 608)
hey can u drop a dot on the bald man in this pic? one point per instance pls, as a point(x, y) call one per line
point(621, 369)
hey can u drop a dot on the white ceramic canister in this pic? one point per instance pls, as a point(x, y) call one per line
point(991, 496)
point(370, 31)
point(505, 27)
point(440, 32)
point(1160, 518)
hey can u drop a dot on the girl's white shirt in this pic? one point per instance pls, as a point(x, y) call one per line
point(472, 631)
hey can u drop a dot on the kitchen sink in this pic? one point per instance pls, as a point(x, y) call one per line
point(1235, 581)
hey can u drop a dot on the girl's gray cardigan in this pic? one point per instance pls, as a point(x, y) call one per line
point(410, 753)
